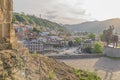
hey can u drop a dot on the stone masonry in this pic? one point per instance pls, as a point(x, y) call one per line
point(8, 40)
point(7, 33)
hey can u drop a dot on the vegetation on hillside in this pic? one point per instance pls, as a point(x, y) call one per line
point(37, 22)
point(85, 75)
point(56, 70)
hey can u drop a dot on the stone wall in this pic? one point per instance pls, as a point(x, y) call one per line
point(6, 27)
point(6, 8)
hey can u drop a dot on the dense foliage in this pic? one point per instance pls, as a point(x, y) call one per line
point(92, 36)
point(78, 40)
point(70, 43)
point(98, 48)
point(102, 37)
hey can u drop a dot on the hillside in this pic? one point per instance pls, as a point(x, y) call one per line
point(96, 26)
point(42, 24)
point(15, 66)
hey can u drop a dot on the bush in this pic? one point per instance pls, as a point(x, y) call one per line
point(70, 43)
point(92, 36)
point(88, 49)
point(51, 75)
point(85, 75)
point(98, 47)
point(78, 40)
point(36, 30)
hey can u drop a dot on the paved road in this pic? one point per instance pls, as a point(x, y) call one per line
point(106, 68)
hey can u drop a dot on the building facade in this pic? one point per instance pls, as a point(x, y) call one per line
point(34, 46)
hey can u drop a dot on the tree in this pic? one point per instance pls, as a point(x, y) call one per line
point(36, 30)
point(102, 37)
point(19, 18)
point(87, 49)
point(70, 43)
point(78, 40)
point(98, 47)
point(92, 36)
point(13, 19)
point(108, 34)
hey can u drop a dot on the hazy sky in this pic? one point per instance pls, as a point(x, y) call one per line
point(70, 11)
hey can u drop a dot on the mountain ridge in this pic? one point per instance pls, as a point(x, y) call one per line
point(95, 26)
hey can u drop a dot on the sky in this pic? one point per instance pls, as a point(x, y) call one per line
point(70, 11)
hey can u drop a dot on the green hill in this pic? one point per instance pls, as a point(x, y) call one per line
point(37, 22)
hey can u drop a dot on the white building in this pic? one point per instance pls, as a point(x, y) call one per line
point(44, 33)
point(34, 45)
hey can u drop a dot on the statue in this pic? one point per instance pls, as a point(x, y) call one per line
point(115, 40)
point(108, 34)
point(109, 37)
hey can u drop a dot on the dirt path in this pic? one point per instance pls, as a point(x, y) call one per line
point(107, 69)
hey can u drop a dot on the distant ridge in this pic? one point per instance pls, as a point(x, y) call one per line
point(95, 26)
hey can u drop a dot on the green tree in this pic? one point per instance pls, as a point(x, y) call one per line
point(36, 30)
point(98, 47)
point(70, 43)
point(78, 40)
point(19, 18)
point(102, 37)
point(92, 36)
point(13, 19)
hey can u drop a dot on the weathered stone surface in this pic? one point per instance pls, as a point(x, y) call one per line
point(10, 64)
point(6, 8)
point(6, 27)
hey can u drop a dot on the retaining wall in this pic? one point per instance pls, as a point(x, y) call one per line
point(77, 56)
point(112, 52)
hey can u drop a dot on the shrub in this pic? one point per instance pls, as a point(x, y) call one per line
point(70, 43)
point(98, 47)
point(85, 75)
point(92, 36)
point(78, 40)
point(51, 75)
point(88, 49)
